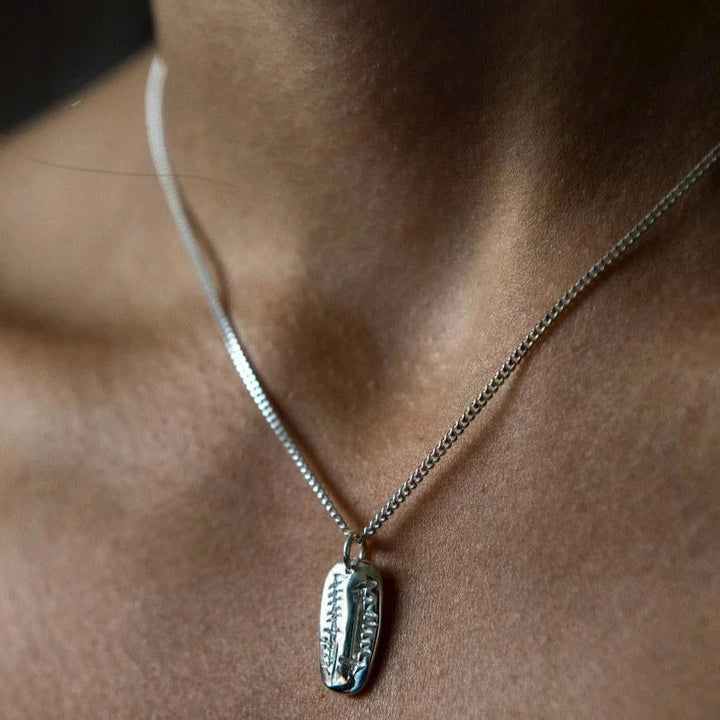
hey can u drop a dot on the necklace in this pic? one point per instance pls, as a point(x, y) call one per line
point(350, 608)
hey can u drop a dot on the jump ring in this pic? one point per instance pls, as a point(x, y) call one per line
point(359, 540)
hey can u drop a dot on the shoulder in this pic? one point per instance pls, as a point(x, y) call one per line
point(79, 202)
point(90, 267)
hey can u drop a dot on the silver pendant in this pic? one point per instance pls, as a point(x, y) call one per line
point(349, 622)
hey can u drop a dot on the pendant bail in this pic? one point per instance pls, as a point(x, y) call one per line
point(359, 540)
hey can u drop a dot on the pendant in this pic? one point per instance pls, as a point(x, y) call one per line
point(349, 621)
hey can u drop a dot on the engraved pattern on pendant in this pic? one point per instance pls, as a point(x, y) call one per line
point(328, 637)
point(349, 625)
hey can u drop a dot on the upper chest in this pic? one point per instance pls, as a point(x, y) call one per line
point(160, 550)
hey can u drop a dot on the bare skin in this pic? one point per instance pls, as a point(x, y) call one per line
point(395, 197)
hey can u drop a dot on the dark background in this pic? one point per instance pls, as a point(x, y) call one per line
point(51, 48)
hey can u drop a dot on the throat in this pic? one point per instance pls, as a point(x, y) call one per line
point(379, 156)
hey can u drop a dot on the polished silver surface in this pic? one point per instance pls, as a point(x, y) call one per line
point(156, 140)
point(349, 624)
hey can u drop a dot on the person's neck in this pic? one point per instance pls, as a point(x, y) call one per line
point(428, 160)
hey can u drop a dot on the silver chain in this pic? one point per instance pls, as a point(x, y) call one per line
point(163, 169)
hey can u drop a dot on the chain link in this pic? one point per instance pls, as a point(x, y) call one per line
point(158, 150)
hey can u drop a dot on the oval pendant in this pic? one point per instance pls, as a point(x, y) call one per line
point(349, 625)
